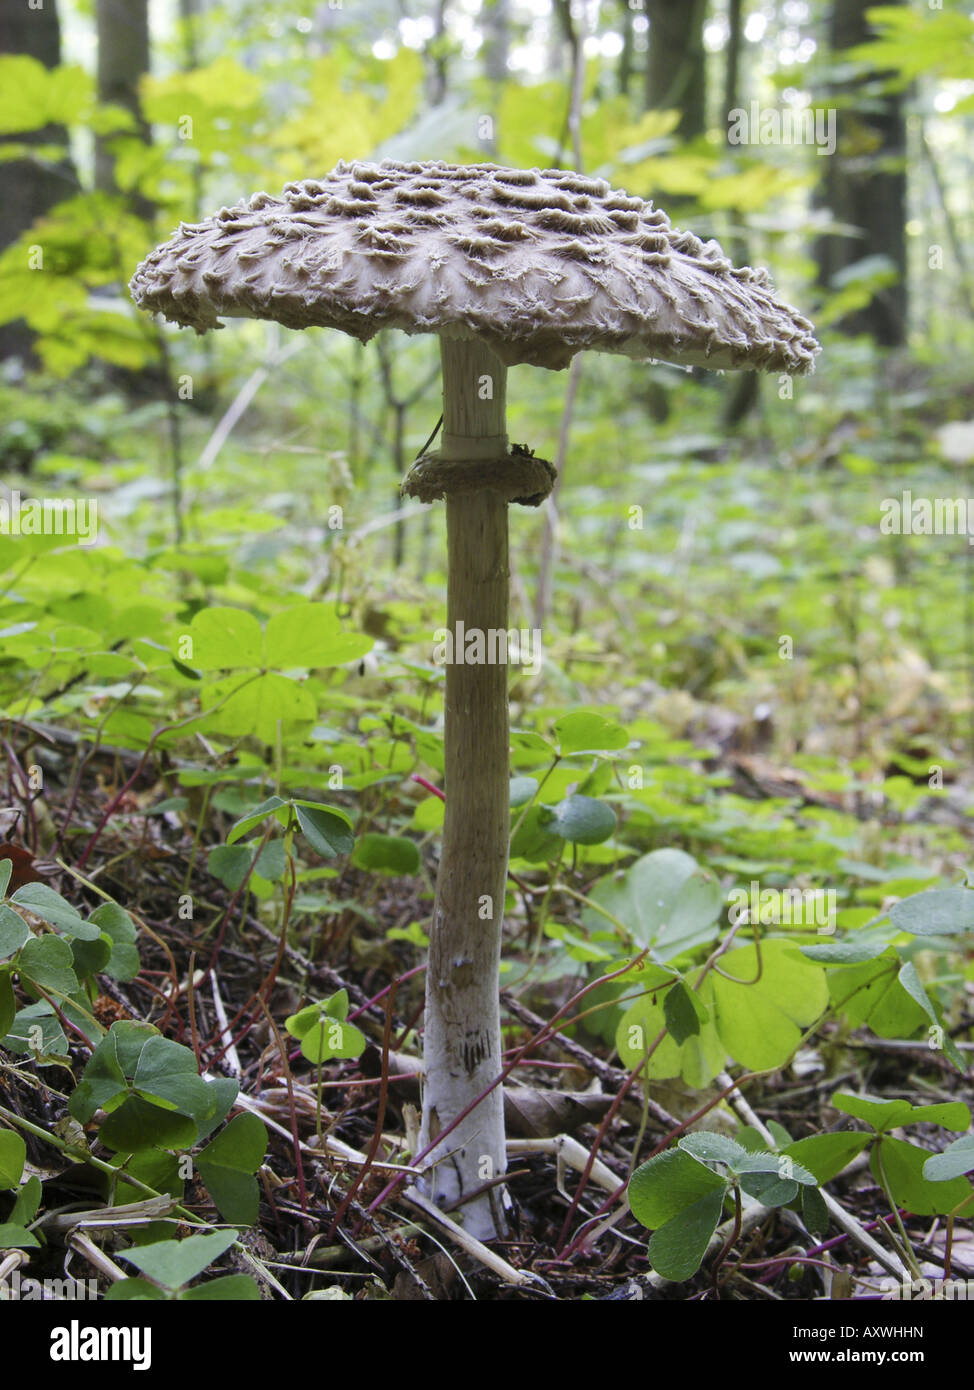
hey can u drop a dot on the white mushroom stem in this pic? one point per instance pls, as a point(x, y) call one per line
point(462, 1039)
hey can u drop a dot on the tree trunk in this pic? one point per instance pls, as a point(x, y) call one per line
point(462, 1038)
point(496, 19)
point(29, 188)
point(743, 394)
point(676, 63)
point(123, 56)
point(861, 194)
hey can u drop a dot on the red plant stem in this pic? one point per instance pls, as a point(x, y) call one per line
point(379, 1121)
point(25, 796)
point(564, 1255)
point(191, 1005)
point(607, 1119)
point(428, 785)
point(218, 944)
point(826, 1245)
point(541, 1036)
point(416, 970)
point(292, 1108)
point(116, 800)
point(264, 989)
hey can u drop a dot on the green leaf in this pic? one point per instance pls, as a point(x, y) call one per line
point(665, 899)
point(26, 1203)
point(114, 920)
point(173, 1263)
point(710, 1147)
point(134, 1291)
point(229, 1288)
point(227, 1165)
point(524, 740)
point(533, 839)
point(586, 732)
point(761, 1024)
point(825, 1155)
point(167, 1072)
point(331, 1041)
point(778, 1132)
point(225, 639)
point(390, 854)
point(668, 1184)
point(956, 1160)
point(911, 982)
point(677, 1249)
point(89, 957)
point(14, 931)
point(683, 1012)
point(884, 1115)
point(138, 1124)
point(223, 1091)
point(698, 1060)
point(6, 869)
point(262, 706)
point(102, 1082)
point(271, 806)
point(872, 994)
point(8, 1008)
point(780, 1165)
point(13, 1156)
point(51, 907)
point(846, 952)
point(14, 1237)
point(336, 1005)
point(583, 821)
point(156, 1168)
point(815, 1213)
point(769, 1189)
point(937, 912)
point(130, 1038)
point(522, 790)
point(903, 1165)
point(231, 863)
point(48, 963)
point(880, 1114)
point(310, 635)
point(304, 1020)
point(327, 829)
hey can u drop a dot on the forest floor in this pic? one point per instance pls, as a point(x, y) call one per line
point(332, 1223)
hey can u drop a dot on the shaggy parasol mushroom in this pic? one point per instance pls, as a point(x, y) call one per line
point(505, 266)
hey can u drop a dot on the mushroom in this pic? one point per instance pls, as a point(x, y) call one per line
point(505, 266)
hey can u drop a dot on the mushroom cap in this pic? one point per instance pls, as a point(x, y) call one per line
point(537, 265)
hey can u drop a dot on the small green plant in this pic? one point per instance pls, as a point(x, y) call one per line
point(680, 1194)
point(56, 968)
point(168, 1267)
point(156, 1102)
point(14, 1232)
point(326, 1036)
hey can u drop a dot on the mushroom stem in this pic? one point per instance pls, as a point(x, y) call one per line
point(462, 1039)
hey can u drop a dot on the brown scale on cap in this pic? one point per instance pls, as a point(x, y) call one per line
point(537, 265)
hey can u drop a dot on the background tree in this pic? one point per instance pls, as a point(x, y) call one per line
point(33, 183)
point(676, 63)
point(865, 180)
